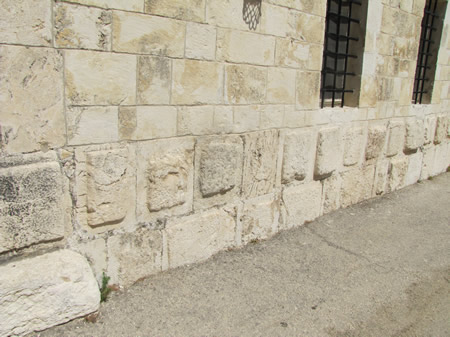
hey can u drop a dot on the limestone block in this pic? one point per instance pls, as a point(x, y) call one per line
point(127, 123)
point(301, 203)
point(414, 134)
point(245, 47)
point(26, 22)
point(82, 27)
point(354, 140)
point(200, 41)
point(33, 201)
point(308, 90)
point(133, 256)
point(296, 54)
point(154, 77)
point(96, 78)
point(298, 155)
point(259, 218)
point(223, 119)
point(396, 139)
point(418, 6)
point(376, 139)
point(397, 173)
point(31, 98)
point(331, 193)
point(329, 152)
point(271, 116)
point(430, 129)
point(90, 125)
point(440, 163)
point(165, 177)
point(427, 162)
point(381, 176)
point(294, 118)
point(128, 5)
point(260, 163)
point(306, 27)
point(246, 118)
point(316, 7)
point(196, 237)
point(197, 82)
point(226, 14)
point(95, 253)
point(357, 185)
point(155, 122)
point(197, 120)
point(245, 84)
point(441, 129)
point(281, 86)
point(274, 20)
point(147, 34)
point(414, 168)
point(189, 10)
point(47, 290)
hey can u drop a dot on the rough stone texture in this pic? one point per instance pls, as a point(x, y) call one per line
point(298, 155)
point(427, 162)
point(26, 22)
point(295, 54)
point(260, 163)
point(357, 185)
point(271, 116)
point(440, 163)
point(430, 129)
point(414, 134)
point(31, 99)
point(195, 120)
point(44, 291)
point(197, 82)
point(82, 27)
point(154, 77)
point(133, 256)
point(397, 173)
point(245, 84)
point(95, 78)
point(200, 41)
point(308, 90)
point(281, 86)
point(246, 118)
point(329, 152)
point(274, 19)
point(95, 253)
point(441, 129)
point(259, 218)
point(127, 122)
point(414, 168)
point(305, 27)
point(316, 7)
point(32, 201)
point(196, 237)
point(218, 163)
point(354, 140)
point(396, 139)
point(155, 122)
point(301, 203)
point(146, 34)
point(226, 14)
point(381, 177)
point(331, 194)
point(128, 5)
point(376, 139)
point(189, 10)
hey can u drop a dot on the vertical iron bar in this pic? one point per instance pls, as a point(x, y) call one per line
point(324, 60)
point(337, 50)
point(346, 52)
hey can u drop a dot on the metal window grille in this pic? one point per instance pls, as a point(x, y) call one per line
point(336, 54)
point(424, 56)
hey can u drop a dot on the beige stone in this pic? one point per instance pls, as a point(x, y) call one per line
point(329, 152)
point(127, 123)
point(31, 99)
point(223, 119)
point(354, 140)
point(82, 27)
point(376, 139)
point(281, 86)
point(200, 41)
point(195, 120)
point(95, 253)
point(154, 77)
point(294, 118)
point(306, 27)
point(128, 5)
point(381, 177)
point(155, 122)
point(197, 82)
point(357, 185)
point(414, 168)
point(414, 134)
point(260, 163)
point(95, 78)
point(298, 155)
point(197, 237)
point(430, 129)
point(274, 20)
point(26, 22)
point(246, 118)
point(296, 54)
point(133, 256)
point(271, 116)
point(226, 13)
point(245, 84)
point(427, 162)
point(43, 291)
point(397, 173)
point(440, 163)
point(307, 90)
point(396, 139)
point(331, 193)
point(147, 34)
point(441, 129)
point(189, 10)
point(316, 7)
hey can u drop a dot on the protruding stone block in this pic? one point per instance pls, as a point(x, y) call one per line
point(440, 163)
point(441, 129)
point(414, 134)
point(329, 152)
point(154, 76)
point(200, 41)
point(397, 173)
point(354, 140)
point(245, 84)
point(357, 185)
point(260, 163)
point(427, 162)
point(331, 194)
point(188, 10)
point(396, 139)
point(281, 86)
point(414, 168)
point(430, 129)
point(197, 237)
point(376, 139)
point(381, 176)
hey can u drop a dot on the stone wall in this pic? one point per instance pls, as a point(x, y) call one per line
point(142, 135)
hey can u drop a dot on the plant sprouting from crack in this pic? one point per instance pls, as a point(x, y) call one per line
point(104, 289)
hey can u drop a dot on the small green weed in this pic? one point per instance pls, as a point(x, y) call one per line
point(104, 290)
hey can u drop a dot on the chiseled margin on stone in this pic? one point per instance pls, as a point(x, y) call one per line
point(414, 168)
point(331, 198)
point(281, 86)
point(441, 129)
point(260, 163)
point(133, 256)
point(329, 152)
point(43, 291)
point(397, 173)
point(307, 90)
point(414, 134)
point(154, 75)
point(357, 185)
point(245, 84)
point(128, 5)
point(197, 237)
point(197, 120)
point(376, 140)
point(218, 166)
point(396, 140)
point(354, 143)
point(188, 10)
point(165, 178)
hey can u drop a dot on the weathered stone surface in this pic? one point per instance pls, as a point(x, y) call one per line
point(44, 291)
point(301, 203)
point(95, 78)
point(414, 134)
point(281, 86)
point(331, 193)
point(146, 34)
point(226, 14)
point(246, 118)
point(376, 139)
point(296, 54)
point(430, 129)
point(26, 22)
point(200, 41)
point(154, 76)
point(82, 27)
point(308, 90)
point(316, 7)
point(427, 162)
point(129, 5)
point(155, 122)
point(189, 10)
point(197, 120)
point(274, 19)
point(31, 99)
point(271, 116)
point(196, 237)
point(32, 201)
point(306, 27)
point(223, 119)
point(357, 185)
point(396, 139)
point(329, 152)
point(414, 168)
point(245, 84)
point(441, 129)
point(95, 253)
point(260, 163)
point(397, 173)
point(381, 176)
point(165, 178)
point(127, 122)
point(245, 47)
point(298, 155)
point(441, 156)
point(354, 140)
point(132, 256)
point(197, 82)
point(259, 218)
point(218, 161)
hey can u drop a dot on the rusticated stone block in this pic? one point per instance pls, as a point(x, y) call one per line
point(427, 162)
point(245, 84)
point(196, 237)
point(189, 10)
point(381, 176)
point(397, 173)
point(298, 155)
point(133, 256)
point(331, 194)
point(430, 129)
point(440, 163)
point(376, 139)
point(200, 41)
point(357, 185)
point(441, 129)
point(218, 161)
point(414, 134)
point(329, 152)
point(414, 168)
point(281, 86)
point(33, 201)
point(353, 145)
point(195, 120)
point(396, 139)
point(260, 163)
point(246, 118)
point(154, 76)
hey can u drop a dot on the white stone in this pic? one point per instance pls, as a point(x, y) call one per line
point(381, 177)
point(298, 155)
point(281, 86)
point(155, 122)
point(357, 185)
point(441, 129)
point(245, 84)
point(414, 134)
point(246, 118)
point(329, 152)
point(200, 41)
point(414, 168)
point(396, 139)
point(376, 139)
point(354, 140)
point(195, 120)
point(95, 253)
point(427, 162)
point(397, 173)
point(430, 129)
point(271, 116)
point(331, 194)
point(274, 20)
point(154, 80)
point(440, 163)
